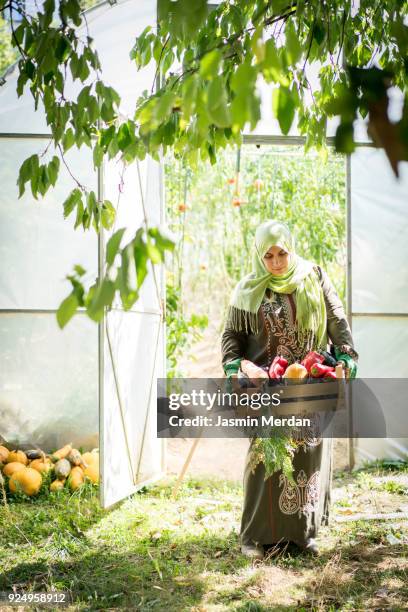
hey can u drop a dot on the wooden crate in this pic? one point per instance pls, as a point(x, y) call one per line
point(296, 398)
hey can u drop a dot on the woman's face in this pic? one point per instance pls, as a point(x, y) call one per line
point(276, 260)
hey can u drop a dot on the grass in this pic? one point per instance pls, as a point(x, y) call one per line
point(153, 553)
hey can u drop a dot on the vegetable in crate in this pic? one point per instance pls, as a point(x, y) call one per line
point(278, 367)
point(296, 372)
point(311, 358)
point(328, 359)
point(318, 370)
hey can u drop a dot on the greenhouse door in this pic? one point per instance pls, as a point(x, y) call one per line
point(132, 353)
point(378, 284)
point(131, 343)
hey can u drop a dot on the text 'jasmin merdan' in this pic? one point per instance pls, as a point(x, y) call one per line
point(220, 399)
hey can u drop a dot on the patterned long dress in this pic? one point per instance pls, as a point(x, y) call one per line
point(276, 510)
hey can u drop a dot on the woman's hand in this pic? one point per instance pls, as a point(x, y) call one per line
point(348, 364)
point(256, 374)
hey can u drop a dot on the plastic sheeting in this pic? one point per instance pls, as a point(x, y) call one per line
point(114, 29)
point(379, 229)
point(138, 345)
point(136, 340)
point(37, 246)
point(39, 403)
point(49, 379)
point(379, 252)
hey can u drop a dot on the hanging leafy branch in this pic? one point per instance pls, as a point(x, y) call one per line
point(52, 52)
point(210, 96)
point(209, 63)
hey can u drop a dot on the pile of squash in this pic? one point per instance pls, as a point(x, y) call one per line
point(25, 471)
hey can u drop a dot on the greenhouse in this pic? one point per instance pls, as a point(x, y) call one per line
point(203, 305)
point(82, 383)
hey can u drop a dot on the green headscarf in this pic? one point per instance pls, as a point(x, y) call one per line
point(300, 277)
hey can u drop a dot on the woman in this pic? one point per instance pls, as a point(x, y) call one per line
point(286, 306)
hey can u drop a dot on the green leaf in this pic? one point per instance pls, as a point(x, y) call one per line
point(53, 170)
point(113, 245)
point(154, 253)
point(79, 270)
point(127, 281)
point(163, 107)
point(140, 257)
point(217, 103)
point(71, 202)
point(272, 64)
point(106, 136)
point(108, 214)
point(124, 138)
point(71, 10)
point(68, 139)
point(246, 104)
point(103, 296)
point(283, 108)
point(63, 48)
point(19, 32)
point(91, 202)
point(74, 65)
point(344, 141)
point(97, 155)
point(80, 213)
point(209, 64)
point(162, 237)
point(293, 46)
point(26, 170)
point(67, 309)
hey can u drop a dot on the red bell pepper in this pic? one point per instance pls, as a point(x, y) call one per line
point(331, 375)
point(318, 370)
point(278, 367)
point(312, 358)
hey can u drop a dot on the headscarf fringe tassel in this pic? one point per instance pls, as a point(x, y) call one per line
point(242, 320)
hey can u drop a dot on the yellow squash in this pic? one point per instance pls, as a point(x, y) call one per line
point(40, 465)
point(4, 453)
point(15, 466)
point(17, 455)
point(76, 478)
point(57, 485)
point(28, 480)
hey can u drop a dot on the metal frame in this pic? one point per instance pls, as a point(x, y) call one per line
point(247, 139)
point(101, 341)
point(25, 135)
point(300, 140)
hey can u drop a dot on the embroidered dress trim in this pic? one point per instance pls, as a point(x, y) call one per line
point(301, 497)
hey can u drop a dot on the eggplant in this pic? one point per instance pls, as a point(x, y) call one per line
point(35, 453)
point(328, 359)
